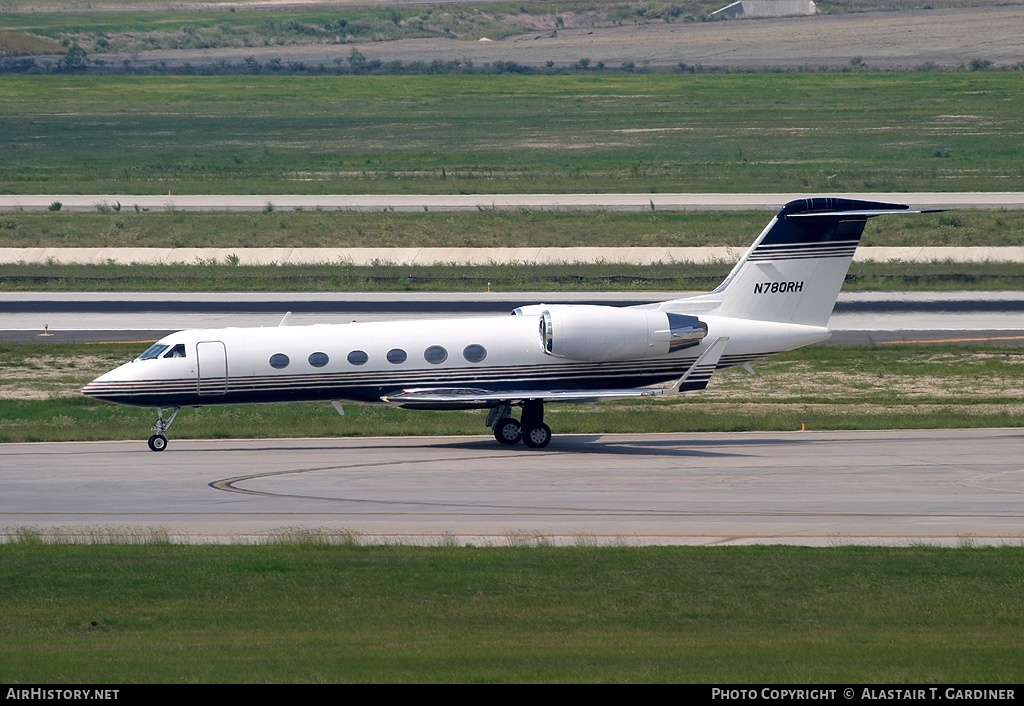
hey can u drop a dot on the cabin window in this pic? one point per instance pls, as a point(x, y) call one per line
point(474, 353)
point(279, 360)
point(435, 355)
point(358, 357)
point(318, 360)
point(177, 352)
point(397, 355)
point(154, 351)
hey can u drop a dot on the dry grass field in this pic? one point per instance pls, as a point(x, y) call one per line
point(907, 39)
point(611, 34)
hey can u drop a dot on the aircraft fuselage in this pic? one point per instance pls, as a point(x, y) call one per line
point(367, 361)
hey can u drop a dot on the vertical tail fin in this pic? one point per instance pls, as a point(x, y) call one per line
point(794, 270)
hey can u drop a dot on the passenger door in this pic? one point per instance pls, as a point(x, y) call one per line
point(212, 367)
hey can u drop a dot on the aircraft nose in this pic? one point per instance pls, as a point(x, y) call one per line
point(94, 389)
point(102, 387)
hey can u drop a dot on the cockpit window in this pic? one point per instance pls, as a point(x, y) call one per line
point(154, 351)
point(177, 352)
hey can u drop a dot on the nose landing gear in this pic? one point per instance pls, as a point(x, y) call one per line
point(158, 442)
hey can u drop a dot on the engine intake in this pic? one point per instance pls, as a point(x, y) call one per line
point(602, 333)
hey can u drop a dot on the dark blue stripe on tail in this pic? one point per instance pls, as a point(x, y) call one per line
point(827, 236)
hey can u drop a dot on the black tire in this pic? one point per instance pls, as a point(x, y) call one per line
point(537, 437)
point(157, 442)
point(508, 431)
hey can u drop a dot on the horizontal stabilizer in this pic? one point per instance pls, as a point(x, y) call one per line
point(865, 214)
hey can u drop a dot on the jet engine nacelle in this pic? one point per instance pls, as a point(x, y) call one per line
point(601, 333)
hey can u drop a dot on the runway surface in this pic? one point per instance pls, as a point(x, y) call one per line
point(809, 488)
point(80, 317)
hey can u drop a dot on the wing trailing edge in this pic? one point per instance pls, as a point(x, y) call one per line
point(696, 377)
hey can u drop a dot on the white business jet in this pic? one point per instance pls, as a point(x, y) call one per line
point(778, 297)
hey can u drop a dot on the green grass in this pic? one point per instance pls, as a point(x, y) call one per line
point(310, 611)
point(476, 229)
point(76, 420)
point(514, 277)
point(481, 229)
point(486, 134)
point(381, 277)
point(827, 387)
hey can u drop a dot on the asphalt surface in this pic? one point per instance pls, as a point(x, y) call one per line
point(944, 487)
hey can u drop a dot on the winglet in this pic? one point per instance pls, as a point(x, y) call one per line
point(699, 374)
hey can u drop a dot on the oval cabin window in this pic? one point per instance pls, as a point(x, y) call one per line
point(397, 355)
point(279, 360)
point(318, 360)
point(474, 353)
point(435, 355)
point(358, 357)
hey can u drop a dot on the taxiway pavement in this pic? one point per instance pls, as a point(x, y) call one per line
point(79, 317)
point(944, 487)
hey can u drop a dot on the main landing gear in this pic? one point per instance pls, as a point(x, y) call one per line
point(531, 430)
point(158, 442)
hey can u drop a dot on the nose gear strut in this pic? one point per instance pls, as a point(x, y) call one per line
point(158, 442)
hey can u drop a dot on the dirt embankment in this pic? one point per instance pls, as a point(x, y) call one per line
point(946, 37)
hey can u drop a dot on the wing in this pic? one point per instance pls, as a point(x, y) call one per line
point(696, 377)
